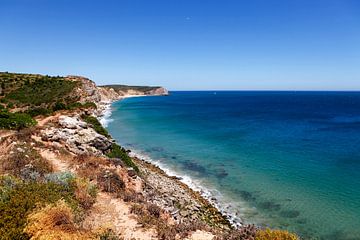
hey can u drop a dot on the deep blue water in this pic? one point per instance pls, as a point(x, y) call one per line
point(288, 160)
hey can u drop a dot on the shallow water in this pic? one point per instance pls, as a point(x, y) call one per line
point(288, 160)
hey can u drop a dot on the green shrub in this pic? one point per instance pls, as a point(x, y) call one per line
point(59, 106)
point(33, 112)
point(36, 111)
point(269, 234)
point(81, 105)
point(10, 105)
point(44, 90)
point(108, 234)
point(15, 121)
point(22, 198)
point(118, 152)
point(95, 124)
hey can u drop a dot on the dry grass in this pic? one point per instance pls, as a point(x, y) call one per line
point(246, 232)
point(131, 196)
point(152, 216)
point(110, 181)
point(25, 162)
point(54, 222)
point(85, 193)
point(89, 166)
point(268, 234)
point(137, 209)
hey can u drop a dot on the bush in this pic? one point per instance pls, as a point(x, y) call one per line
point(33, 112)
point(19, 200)
point(26, 163)
point(108, 234)
point(118, 152)
point(64, 179)
point(55, 221)
point(246, 232)
point(109, 181)
point(94, 122)
point(15, 121)
point(59, 106)
point(154, 210)
point(43, 90)
point(85, 193)
point(268, 234)
point(137, 209)
point(82, 105)
point(166, 231)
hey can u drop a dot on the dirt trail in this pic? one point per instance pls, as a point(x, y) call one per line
point(6, 133)
point(42, 122)
point(115, 213)
point(58, 164)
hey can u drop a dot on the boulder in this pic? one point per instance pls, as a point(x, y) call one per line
point(71, 122)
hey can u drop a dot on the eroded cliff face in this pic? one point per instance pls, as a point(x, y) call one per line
point(89, 92)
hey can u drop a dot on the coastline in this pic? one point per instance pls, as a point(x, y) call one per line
point(197, 191)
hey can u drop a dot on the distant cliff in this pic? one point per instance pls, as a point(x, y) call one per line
point(90, 92)
point(136, 90)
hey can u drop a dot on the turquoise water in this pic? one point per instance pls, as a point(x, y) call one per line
point(288, 160)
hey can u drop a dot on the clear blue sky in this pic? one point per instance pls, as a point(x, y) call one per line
point(187, 44)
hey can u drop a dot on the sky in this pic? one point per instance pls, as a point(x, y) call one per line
point(187, 44)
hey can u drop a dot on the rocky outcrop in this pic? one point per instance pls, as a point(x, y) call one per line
point(102, 96)
point(159, 91)
point(77, 136)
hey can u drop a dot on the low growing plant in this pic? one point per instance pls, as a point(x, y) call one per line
point(268, 234)
point(94, 122)
point(118, 152)
point(19, 200)
point(15, 121)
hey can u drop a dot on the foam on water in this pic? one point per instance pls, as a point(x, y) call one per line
point(105, 119)
point(210, 194)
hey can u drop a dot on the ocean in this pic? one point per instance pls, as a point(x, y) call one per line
point(288, 160)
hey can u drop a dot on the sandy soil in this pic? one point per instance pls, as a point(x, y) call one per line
point(115, 213)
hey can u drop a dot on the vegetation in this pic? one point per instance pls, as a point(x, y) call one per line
point(26, 163)
point(108, 234)
point(36, 90)
point(110, 181)
point(55, 221)
point(17, 202)
point(96, 125)
point(268, 234)
point(18, 199)
point(125, 88)
point(15, 121)
point(246, 232)
point(118, 152)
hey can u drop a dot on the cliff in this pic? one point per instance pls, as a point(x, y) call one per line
point(62, 176)
point(69, 178)
point(102, 95)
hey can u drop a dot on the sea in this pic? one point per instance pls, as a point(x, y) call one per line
point(280, 159)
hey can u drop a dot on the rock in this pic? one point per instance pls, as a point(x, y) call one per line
point(71, 122)
point(131, 172)
point(100, 142)
point(184, 213)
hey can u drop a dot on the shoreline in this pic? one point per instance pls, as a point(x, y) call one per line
point(197, 191)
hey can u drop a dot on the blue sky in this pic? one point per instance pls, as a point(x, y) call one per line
point(187, 44)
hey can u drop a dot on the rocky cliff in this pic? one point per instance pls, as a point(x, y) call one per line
point(90, 92)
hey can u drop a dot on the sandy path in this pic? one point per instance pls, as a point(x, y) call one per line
point(114, 213)
point(58, 164)
point(42, 122)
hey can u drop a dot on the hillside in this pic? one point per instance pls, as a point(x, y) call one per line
point(136, 90)
point(62, 176)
